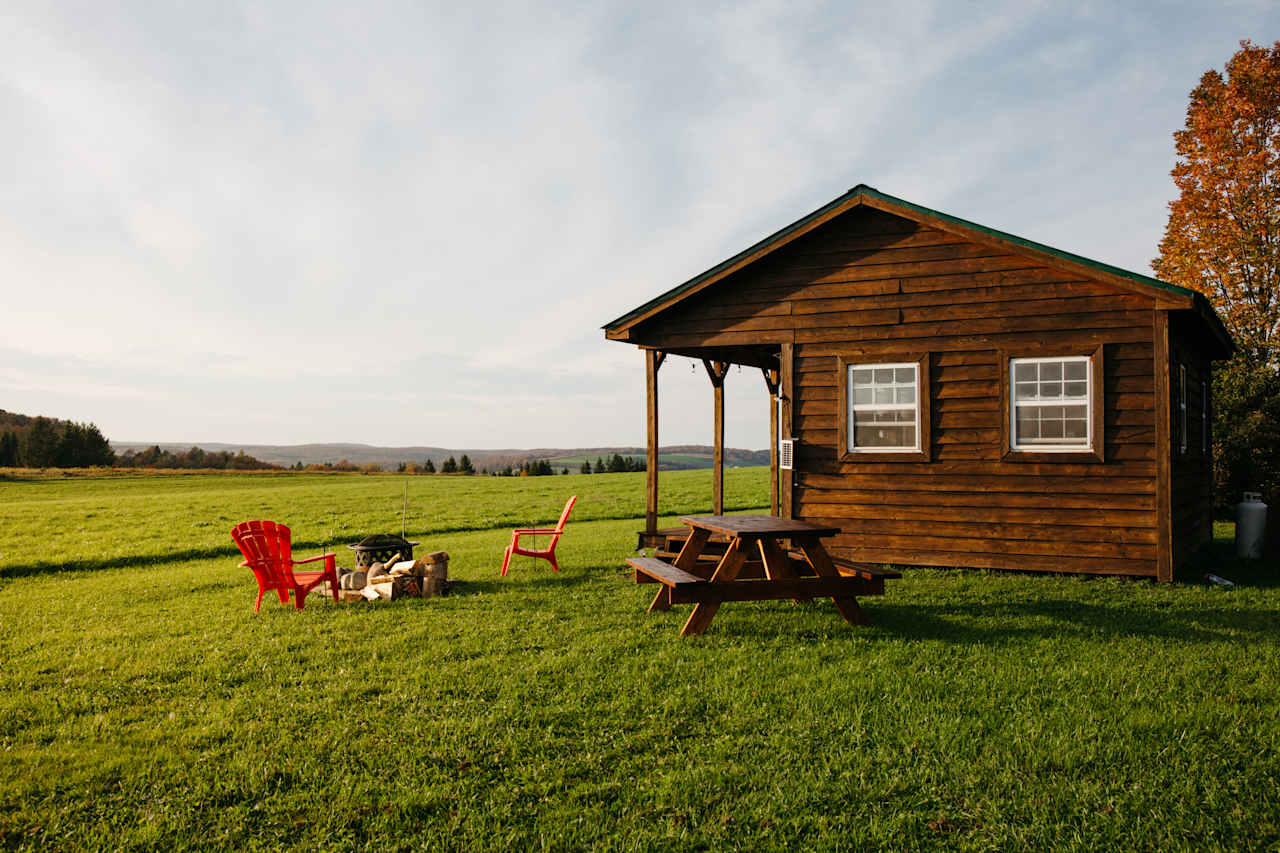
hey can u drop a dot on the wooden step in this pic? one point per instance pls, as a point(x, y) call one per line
point(663, 572)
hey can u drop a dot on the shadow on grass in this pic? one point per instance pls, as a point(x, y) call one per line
point(978, 623)
point(45, 567)
point(1220, 559)
point(533, 583)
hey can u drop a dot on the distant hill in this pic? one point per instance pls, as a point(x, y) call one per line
point(669, 458)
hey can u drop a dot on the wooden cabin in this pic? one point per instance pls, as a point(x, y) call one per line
point(955, 395)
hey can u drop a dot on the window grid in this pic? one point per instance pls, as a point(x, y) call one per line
point(884, 404)
point(1051, 403)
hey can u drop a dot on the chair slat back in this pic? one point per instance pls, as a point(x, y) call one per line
point(267, 548)
point(564, 516)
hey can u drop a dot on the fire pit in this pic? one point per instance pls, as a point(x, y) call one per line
point(381, 547)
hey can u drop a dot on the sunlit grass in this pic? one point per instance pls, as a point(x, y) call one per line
point(144, 705)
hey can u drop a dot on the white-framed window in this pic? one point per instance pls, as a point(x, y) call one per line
point(884, 408)
point(1182, 409)
point(1051, 403)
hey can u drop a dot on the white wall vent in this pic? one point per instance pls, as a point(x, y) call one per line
point(786, 454)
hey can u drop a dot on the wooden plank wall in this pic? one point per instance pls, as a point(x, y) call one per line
point(871, 284)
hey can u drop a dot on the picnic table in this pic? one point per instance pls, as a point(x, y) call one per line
point(802, 572)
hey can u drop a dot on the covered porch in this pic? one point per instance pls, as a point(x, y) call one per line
point(774, 362)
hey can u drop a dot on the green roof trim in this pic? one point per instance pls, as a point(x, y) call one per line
point(866, 191)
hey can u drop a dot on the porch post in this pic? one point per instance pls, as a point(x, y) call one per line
point(716, 371)
point(652, 361)
point(771, 382)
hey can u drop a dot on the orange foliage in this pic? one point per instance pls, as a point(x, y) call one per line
point(1223, 235)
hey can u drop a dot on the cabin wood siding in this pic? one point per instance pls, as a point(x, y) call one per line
point(870, 284)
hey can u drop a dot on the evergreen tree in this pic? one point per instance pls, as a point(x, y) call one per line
point(464, 465)
point(600, 469)
point(450, 466)
point(40, 445)
point(8, 450)
point(586, 467)
point(429, 467)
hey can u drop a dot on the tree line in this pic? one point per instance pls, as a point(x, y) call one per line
point(45, 443)
point(464, 466)
point(221, 460)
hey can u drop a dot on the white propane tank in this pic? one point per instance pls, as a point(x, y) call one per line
point(1251, 526)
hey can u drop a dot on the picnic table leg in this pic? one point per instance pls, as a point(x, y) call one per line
point(777, 565)
point(661, 601)
point(817, 556)
point(687, 558)
point(727, 570)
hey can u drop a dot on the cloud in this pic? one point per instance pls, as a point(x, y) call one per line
point(428, 210)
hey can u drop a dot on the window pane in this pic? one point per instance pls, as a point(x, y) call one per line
point(1075, 389)
point(1051, 390)
point(1077, 428)
point(1028, 428)
point(1025, 391)
point(1051, 428)
point(1024, 372)
point(883, 402)
point(886, 416)
point(1050, 370)
point(884, 435)
point(1075, 370)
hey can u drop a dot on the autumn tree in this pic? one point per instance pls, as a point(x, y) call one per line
point(1223, 235)
point(1223, 239)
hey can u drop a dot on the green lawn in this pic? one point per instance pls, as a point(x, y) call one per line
point(144, 706)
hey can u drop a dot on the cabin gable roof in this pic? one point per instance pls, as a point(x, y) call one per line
point(1167, 296)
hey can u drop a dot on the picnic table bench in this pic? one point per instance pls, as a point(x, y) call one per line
point(804, 572)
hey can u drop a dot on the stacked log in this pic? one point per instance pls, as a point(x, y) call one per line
point(396, 578)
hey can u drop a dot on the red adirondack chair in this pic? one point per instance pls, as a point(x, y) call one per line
point(268, 552)
point(548, 553)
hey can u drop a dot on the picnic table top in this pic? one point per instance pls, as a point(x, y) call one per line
point(757, 525)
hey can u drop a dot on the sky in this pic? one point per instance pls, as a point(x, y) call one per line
point(405, 224)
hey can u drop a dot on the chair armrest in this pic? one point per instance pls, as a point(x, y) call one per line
point(532, 530)
point(313, 559)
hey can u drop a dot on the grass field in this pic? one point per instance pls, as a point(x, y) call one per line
point(144, 706)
